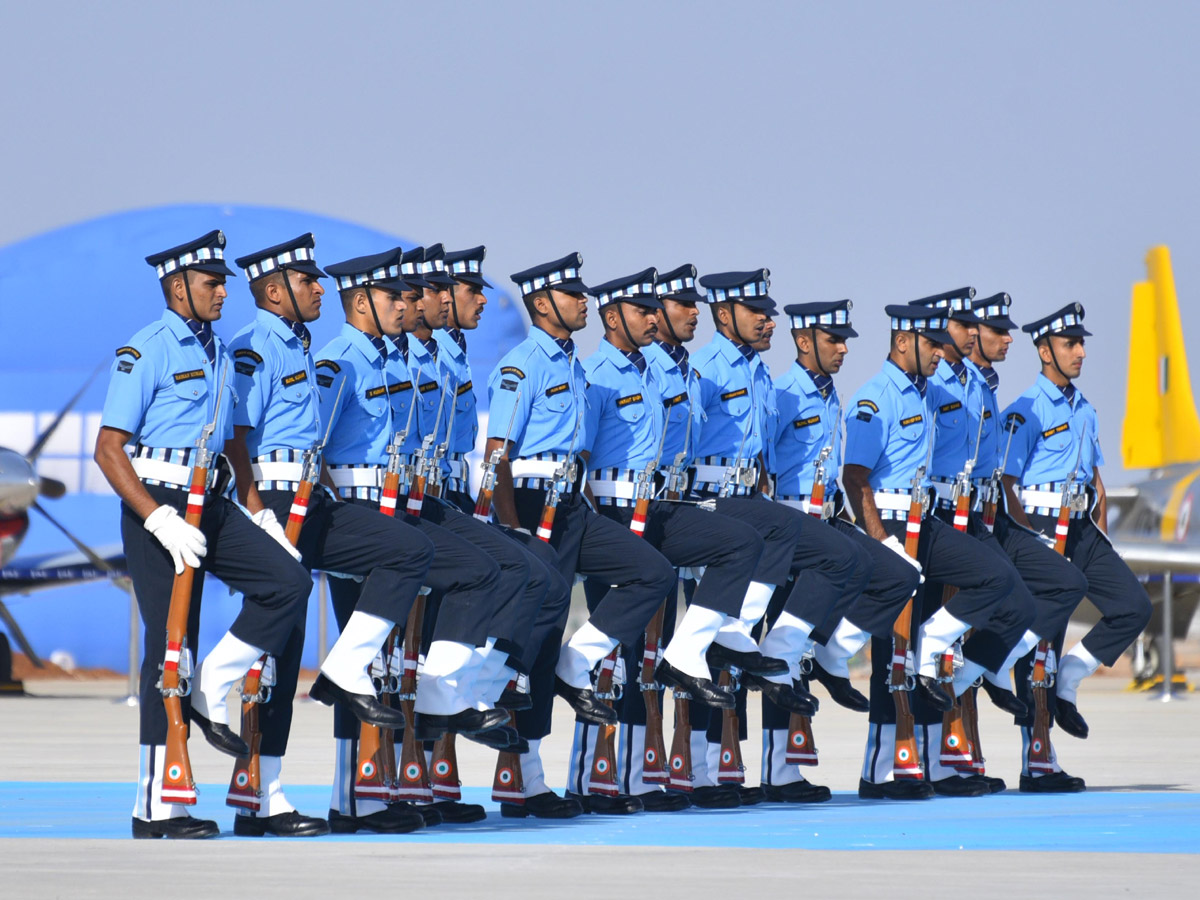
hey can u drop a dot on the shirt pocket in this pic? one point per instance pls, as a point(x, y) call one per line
point(735, 404)
point(629, 410)
point(1060, 440)
point(192, 390)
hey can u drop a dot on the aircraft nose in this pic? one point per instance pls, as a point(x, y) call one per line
point(18, 483)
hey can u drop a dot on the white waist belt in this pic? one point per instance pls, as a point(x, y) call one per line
point(715, 474)
point(534, 468)
point(794, 503)
point(945, 489)
point(277, 471)
point(1041, 498)
point(625, 490)
point(896, 502)
point(361, 476)
point(161, 470)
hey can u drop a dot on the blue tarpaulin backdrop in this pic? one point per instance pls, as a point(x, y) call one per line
point(68, 299)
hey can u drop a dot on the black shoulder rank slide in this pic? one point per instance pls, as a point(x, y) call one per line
point(512, 370)
point(557, 389)
point(294, 378)
point(247, 353)
point(322, 380)
point(130, 350)
point(632, 398)
point(125, 366)
point(912, 420)
point(732, 395)
point(507, 385)
point(243, 368)
point(869, 404)
point(328, 364)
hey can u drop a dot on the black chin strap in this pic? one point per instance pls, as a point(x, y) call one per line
point(374, 313)
point(454, 306)
point(1054, 359)
point(917, 351)
point(557, 314)
point(666, 317)
point(733, 322)
point(816, 352)
point(633, 345)
point(287, 283)
point(187, 287)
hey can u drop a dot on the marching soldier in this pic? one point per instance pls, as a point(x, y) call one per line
point(168, 383)
point(277, 421)
point(887, 444)
point(627, 417)
point(374, 353)
point(538, 406)
point(1055, 454)
point(807, 444)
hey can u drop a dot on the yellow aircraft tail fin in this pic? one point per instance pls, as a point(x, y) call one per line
point(1161, 426)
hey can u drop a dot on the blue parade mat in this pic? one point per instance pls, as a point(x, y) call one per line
point(1096, 821)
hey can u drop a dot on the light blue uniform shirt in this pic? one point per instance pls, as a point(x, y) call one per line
point(681, 398)
point(958, 419)
point(466, 416)
point(431, 378)
point(991, 440)
point(807, 423)
point(278, 386)
point(1049, 435)
point(552, 390)
point(733, 402)
point(887, 428)
point(765, 387)
point(625, 410)
point(374, 403)
point(163, 390)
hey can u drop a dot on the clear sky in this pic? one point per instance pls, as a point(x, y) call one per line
point(878, 151)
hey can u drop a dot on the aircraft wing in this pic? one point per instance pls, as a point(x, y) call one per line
point(33, 573)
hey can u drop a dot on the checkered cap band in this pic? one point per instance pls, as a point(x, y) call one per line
point(409, 268)
point(933, 323)
point(1065, 321)
point(541, 282)
point(837, 317)
point(380, 274)
point(465, 267)
point(753, 289)
point(202, 254)
point(675, 285)
point(626, 292)
point(953, 304)
point(993, 311)
point(433, 265)
point(271, 263)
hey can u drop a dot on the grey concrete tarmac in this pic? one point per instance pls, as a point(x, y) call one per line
point(74, 731)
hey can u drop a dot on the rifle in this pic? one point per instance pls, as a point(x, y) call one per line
point(957, 750)
point(680, 763)
point(566, 473)
point(731, 770)
point(416, 490)
point(375, 777)
point(742, 476)
point(175, 681)
point(245, 789)
point(801, 746)
point(487, 484)
point(1041, 677)
point(906, 763)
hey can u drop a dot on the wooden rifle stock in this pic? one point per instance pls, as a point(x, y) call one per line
point(731, 770)
point(956, 750)
point(801, 747)
point(681, 776)
point(654, 751)
point(414, 779)
point(178, 784)
point(245, 787)
point(375, 775)
point(603, 778)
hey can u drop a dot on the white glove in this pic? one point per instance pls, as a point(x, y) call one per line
point(893, 544)
point(265, 519)
point(184, 542)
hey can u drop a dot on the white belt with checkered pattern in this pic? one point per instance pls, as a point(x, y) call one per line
point(1046, 500)
point(355, 476)
point(613, 486)
point(270, 470)
point(166, 473)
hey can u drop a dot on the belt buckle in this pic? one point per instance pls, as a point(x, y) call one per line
point(746, 476)
point(827, 509)
point(1078, 502)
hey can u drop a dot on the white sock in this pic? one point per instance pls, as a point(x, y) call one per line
point(693, 635)
point(789, 639)
point(1077, 665)
point(354, 651)
point(580, 654)
point(937, 634)
point(445, 685)
point(735, 633)
point(835, 654)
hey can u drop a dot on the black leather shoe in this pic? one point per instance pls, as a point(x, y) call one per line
point(841, 690)
point(184, 828)
point(748, 795)
point(220, 736)
point(601, 805)
point(428, 813)
point(663, 801)
point(585, 704)
point(785, 696)
point(797, 792)
point(994, 785)
point(721, 657)
point(1006, 700)
point(903, 789)
point(288, 824)
point(458, 813)
point(514, 700)
point(468, 723)
point(930, 691)
point(959, 787)
point(702, 690)
point(712, 797)
point(394, 819)
point(503, 737)
point(543, 806)
point(366, 707)
point(1054, 783)
point(1066, 714)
